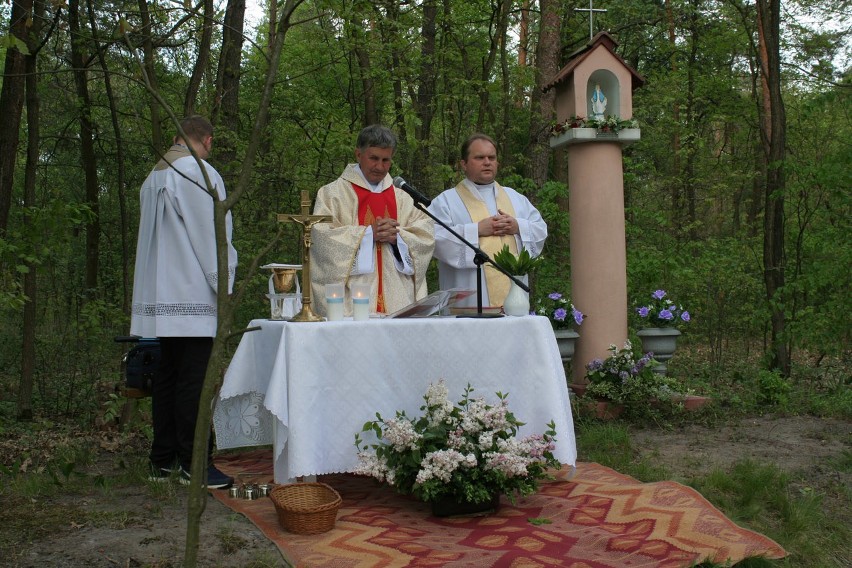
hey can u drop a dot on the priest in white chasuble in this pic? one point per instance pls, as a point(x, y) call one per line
point(489, 216)
point(377, 236)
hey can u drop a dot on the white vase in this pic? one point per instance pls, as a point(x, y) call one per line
point(517, 302)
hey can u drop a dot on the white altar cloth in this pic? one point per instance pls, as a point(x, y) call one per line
point(308, 388)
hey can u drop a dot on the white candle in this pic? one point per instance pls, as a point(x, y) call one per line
point(360, 309)
point(360, 302)
point(335, 309)
point(334, 302)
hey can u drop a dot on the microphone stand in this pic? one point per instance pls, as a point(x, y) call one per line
point(479, 258)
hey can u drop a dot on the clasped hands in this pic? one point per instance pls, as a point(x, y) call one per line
point(498, 225)
point(385, 230)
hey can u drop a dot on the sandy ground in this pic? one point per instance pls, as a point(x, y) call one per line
point(138, 529)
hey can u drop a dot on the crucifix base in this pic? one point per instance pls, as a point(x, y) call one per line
point(306, 314)
point(306, 220)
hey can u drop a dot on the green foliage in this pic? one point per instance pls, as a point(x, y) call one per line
point(62, 472)
point(773, 388)
point(11, 41)
point(11, 289)
point(53, 462)
point(112, 408)
point(140, 419)
point(519, 265)
point(609, 123)
point(718, 279)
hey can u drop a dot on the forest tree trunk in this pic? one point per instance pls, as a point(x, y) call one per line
point(202, 59)
point(774, 133)
point(28, 350)
point(12, 103)
point(226, 115)
point(425, 100)
point(497, 27)
point(157, 145)
point(543, 104)
point(87, 148)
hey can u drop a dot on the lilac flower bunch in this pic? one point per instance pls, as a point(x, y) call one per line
point(661, 311)
point(626, 377)
point(466, 451)
point(559, 310)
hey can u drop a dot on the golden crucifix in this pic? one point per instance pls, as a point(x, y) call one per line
point(306, 220)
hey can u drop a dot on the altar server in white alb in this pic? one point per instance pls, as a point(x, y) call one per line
point(489, 216)
point(377, 236)
point(174, 293)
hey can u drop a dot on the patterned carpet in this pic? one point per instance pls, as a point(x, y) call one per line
point(599, 519)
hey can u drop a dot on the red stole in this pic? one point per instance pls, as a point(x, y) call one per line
point(370, 206)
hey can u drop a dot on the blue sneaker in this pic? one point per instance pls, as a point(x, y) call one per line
point(215, 478)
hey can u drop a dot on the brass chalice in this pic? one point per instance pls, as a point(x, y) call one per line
point(282, 279)
point(281, 284)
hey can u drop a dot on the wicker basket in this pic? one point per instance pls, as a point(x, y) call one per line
point(306, 508)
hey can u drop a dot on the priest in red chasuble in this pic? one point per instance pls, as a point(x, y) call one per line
point(376, 236)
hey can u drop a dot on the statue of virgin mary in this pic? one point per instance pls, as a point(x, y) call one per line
point(598, 103)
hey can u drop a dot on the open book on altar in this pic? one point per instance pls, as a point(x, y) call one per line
point(433, 304)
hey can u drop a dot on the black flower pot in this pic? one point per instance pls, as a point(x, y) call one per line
point(451, 507)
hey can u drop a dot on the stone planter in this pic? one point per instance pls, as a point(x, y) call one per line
point(578, 389)
point(450, 507)
point(566, 339)
point(579, 135)
point(662, 342)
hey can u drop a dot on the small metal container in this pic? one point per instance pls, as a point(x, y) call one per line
point(263, 490)
point(233, 492)
point(250, 493)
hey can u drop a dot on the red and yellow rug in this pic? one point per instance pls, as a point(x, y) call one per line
point(598, 519)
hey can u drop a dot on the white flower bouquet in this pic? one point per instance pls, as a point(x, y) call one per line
point(466, 451)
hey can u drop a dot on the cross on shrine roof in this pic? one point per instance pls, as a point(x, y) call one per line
point(591, 10)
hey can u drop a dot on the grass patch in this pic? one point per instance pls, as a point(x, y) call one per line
point(763, 498)
point(608, 443)
point(229, 541)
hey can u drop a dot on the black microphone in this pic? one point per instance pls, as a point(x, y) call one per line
point(415, 195)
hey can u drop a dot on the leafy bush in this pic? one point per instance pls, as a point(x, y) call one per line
point(773, 388)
